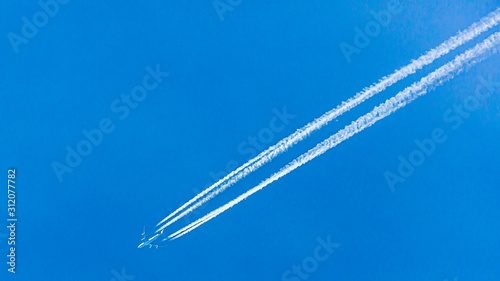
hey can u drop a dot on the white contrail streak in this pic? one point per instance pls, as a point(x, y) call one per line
point(429, 82)
point(491, 20)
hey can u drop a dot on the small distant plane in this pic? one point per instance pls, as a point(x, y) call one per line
point(149, 242)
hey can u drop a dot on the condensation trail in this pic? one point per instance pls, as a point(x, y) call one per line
point(429, 82)
point(484, 24)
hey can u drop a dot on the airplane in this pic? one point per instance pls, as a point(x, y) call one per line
point(150, 241)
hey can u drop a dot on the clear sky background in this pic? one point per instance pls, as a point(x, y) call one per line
point(227, 79)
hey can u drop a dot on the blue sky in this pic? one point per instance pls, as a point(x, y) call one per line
point(229, 76)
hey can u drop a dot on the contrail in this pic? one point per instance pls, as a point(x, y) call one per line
point(426, 84)
point(462, 37)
